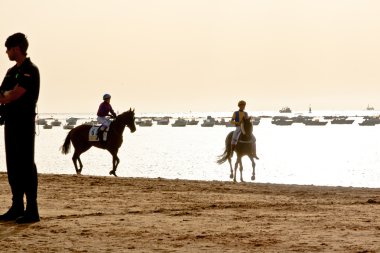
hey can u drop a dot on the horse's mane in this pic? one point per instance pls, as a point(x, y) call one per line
point(248, 123)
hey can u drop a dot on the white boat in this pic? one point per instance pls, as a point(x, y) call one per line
point(282, 122)
point(163, 122)
point(256, 121)
point(146, 123)
point(68, 126)
point(342, 121)
point(72, 121)
point(41, 121)
point(179, 123)
point(208, 123)
point(56, 123)
point(47, 126)
point(192, 122)
point(221, 122)
point(370, 121)
point(315, 122)
point(285, 110)
point(370, 108)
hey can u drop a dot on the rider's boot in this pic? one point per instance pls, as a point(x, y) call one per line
point(100, 134)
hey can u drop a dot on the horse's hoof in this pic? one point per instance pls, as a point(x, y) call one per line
point(112, 172)
point(231, 176)
point(253, 178)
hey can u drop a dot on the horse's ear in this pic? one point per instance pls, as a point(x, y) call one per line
point(130, 109)
point(133, 110)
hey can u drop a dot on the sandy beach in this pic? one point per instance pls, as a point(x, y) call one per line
point(107, 214)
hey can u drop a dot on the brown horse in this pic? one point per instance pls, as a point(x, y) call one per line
point(243, 147)
point(79, 137)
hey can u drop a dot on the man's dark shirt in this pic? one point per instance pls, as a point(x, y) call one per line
point(27, 76)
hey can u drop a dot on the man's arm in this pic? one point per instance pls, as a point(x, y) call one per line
point(112, 112)
point(232, 121)
point(12, 95)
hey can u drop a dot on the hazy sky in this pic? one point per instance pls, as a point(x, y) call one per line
point(200, 55)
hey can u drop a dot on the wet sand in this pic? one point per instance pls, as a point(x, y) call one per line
point(107, 214)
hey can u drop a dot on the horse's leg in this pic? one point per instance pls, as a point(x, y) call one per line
point(241, 170)
point(75, 159)
point(253, 167)
point(236, 166)
point(232, 173)
point(115, 163)
point(80, 165)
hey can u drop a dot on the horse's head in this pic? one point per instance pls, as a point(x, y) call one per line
point(248, 126)
point(128, 119)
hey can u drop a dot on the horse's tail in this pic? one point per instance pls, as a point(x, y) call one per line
point(227, 152)
point(65, 149)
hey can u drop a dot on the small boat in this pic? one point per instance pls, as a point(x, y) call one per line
point(41, 121)
point(146, 123)
point(192, 122)
point(301, 119)
point(47, 126)
point(342, 121)
point(282, 122)
point(68, 126)
point(369, 121)
point(208, 123)
point(285, 110)
point(211, 119)
point(56, 123)
point(163, 122)
point(256, 121)
point(179, 123)
point(72, 121)
point(315, 123)
point(370, 108)
point(222, 122)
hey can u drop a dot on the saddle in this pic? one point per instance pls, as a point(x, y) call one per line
point(93, 133)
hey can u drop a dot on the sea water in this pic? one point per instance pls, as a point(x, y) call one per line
point(331, 155)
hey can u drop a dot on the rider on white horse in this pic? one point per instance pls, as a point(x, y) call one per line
point(105, 110)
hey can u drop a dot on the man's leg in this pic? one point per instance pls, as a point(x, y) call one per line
point(29, 178)
point(100, 133)
point(14, 173)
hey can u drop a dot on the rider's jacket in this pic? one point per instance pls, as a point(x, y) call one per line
point(238, 116)
point(104, 110)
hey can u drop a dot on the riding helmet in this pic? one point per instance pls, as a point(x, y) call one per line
point(106, 96)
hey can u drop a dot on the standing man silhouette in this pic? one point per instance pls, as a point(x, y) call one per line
point(19, 94)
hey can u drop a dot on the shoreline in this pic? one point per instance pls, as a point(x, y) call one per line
point(108, 214)
point(207, 181)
